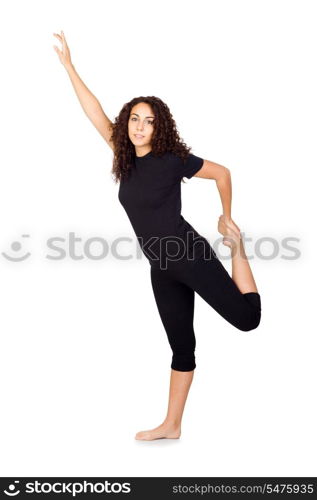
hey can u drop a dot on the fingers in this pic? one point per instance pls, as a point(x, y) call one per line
point(61, 40)
point(225, 221)
point(227, 242)
point(61, 37)
point(57, 50)
point(235, 225)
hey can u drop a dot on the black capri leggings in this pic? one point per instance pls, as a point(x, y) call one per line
point(174, 291)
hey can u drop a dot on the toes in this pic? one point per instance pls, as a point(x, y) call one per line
point(142, 435)
point(139, 436)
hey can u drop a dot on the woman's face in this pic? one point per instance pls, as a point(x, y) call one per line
point(140, 127)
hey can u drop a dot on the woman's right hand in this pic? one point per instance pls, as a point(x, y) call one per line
point(229, 229)
point(64, 54)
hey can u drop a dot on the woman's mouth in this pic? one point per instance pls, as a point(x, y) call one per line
point(138, 136)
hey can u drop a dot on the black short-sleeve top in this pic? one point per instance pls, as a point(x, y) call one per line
point(151, 197)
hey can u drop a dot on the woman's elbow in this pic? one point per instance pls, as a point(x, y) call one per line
point(225, 175)
point(227, 172)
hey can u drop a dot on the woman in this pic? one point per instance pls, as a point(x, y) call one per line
point(150, 161)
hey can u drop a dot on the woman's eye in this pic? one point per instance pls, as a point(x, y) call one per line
point(148, 121)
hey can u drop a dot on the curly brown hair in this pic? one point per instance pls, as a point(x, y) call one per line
point(165, 136)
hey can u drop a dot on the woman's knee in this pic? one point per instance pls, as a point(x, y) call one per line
point(183, 362)
point(252, 318)
point(250, 321)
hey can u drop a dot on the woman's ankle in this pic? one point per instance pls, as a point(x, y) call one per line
point(172, 422)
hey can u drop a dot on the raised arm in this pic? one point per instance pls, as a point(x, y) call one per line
point(88, 101)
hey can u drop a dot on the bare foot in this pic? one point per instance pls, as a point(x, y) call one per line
point(230, 231)
point(165, 430)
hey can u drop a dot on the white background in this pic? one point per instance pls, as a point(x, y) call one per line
point(85, 359)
